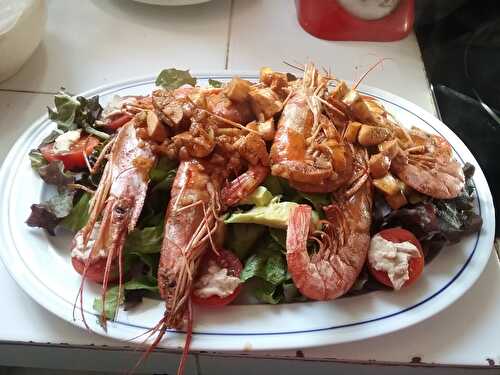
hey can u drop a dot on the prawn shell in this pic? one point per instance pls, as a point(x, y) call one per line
point(242, 186)
point(435, 172)
point(333, 269)
point(121, 193)
point(190, 202)
point(293, 127)
point(220, 105)
point(289, 147)
point(442, 182)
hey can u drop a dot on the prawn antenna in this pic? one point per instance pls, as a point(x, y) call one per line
point(379, 62)
point(298, 67)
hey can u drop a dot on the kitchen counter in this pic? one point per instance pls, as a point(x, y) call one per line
point(92, 43)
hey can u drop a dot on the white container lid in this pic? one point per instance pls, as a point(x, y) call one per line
point(10, 11)
point(21, 28)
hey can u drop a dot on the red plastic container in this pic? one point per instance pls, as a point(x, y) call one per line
point(368, 20)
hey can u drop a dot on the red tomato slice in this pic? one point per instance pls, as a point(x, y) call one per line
point(118, 121)
point(73, 159)
point(415, 265)
point(226, 259)
point(95, 272)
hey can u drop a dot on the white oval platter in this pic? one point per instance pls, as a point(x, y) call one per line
point(41, 264)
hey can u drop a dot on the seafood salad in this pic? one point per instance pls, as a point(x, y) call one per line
point(277, 190)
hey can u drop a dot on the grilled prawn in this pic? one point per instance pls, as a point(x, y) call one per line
point(306, 147)
point(342, 242)
point(114, 208)
point(429, 167)
point(192, 226)
point(190, 222)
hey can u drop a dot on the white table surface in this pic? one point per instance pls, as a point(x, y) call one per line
point(94, 42)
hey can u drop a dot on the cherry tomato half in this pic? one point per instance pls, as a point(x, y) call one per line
point(118, 121)
point(415, 265)
point(96, 270)
point(72, 159)
point(226, 259)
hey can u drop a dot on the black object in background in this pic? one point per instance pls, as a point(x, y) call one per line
point(460, 43)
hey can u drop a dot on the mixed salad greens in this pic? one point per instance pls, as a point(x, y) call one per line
point(255, 230)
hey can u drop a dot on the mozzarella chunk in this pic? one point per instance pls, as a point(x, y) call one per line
point(216, 282)
point(392, 258)
point(64, 142)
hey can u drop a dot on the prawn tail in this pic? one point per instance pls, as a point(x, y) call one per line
point(242, 186)
point(302, 267)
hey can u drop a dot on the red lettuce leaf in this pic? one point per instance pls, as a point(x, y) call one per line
point(42, 217)
point(54, 174)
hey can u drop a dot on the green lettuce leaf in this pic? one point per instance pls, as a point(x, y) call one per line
point(275, 215)
point(254, 266)
point(275, 269)
point(50, 138)
point(162, 169)
point(279, 236)
point(88, 111)
point(151, 220)
point(149, 260)
point(143, 284)
point(37, 160)
point(111, 303)
point(260, 197)
point(72, 113)
point(167, 183)
point(65, 111)
point(269, 293)
point(291, 293)
point(272, 183)
point(172, 78)
point(267, 263)
point(147, 240)
point(99, 134)
point(317, 200)
point(79, 214)
point(241, 238)
point(280, 186)
point(163, 174)
point(268, 267)
point(215, 83)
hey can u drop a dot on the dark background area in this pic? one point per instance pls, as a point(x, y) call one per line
point(460, 44)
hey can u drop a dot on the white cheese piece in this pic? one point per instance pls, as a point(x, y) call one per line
point(392, 258)
point(216, 282)
point(83, 252)
point(64, 142)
